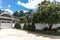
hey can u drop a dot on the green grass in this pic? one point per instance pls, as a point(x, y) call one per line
point(55, 33)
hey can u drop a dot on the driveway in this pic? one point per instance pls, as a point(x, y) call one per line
point(14, 34)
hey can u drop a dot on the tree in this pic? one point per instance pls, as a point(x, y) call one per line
point(29, 15)
point(22, 16)
point(15, 14)
point(17, 25)
point(47, 12)
point(21, 13)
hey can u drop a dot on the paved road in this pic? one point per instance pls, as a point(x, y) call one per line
point(14, 34)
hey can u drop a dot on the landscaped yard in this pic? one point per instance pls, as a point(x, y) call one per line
point(54, 33)
point(14, 34)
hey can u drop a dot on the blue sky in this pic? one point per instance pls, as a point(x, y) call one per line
point(12, 5)
point(17, 5)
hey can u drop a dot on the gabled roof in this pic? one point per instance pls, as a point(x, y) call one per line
point(1, 11)
point(6, 15)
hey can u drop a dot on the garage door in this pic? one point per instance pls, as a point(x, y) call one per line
point(5, 24)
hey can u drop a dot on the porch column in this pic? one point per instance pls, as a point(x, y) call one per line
point(0, 23)
point(12, 23)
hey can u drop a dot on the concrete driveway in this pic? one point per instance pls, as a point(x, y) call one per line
point(14, 34)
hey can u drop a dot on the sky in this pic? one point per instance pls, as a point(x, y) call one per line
point(18, 5)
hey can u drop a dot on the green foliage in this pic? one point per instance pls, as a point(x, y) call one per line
point(16, 14)
point(25, 26)
point(54, 33)
point(21, 13)
point(29, 27)
point(45, 29)
point(17, 25)
point(59, 27)
point(47, 12)
point(23, 19)
point(36, 18)
point(29, 15)
point(33, 27)
point(22, 16)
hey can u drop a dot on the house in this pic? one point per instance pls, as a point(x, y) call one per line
point(6, 21)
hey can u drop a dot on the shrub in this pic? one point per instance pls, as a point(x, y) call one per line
point(59, 28)
point(25, 27)
point(33, 27)
point(54, 29)
point(45, 29)
point(17, 25)
point(29, 27)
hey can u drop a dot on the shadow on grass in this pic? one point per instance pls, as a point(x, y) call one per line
point(54, 33)
point(51, 34)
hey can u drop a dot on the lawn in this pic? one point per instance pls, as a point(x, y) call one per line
point(54, 33)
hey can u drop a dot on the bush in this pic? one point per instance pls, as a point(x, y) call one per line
point(54, 29)
point(17, 26)
point(45, 29)
point(59, 28)
point(25, 26)
point(29, 27)
point(33, 27)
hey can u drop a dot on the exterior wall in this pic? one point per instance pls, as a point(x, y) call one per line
point(13, 25)
point(41, 26)
point(6, 25)
point(56, 26)
point(22, 24)
point(38, 25)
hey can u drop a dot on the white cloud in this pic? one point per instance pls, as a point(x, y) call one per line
point(8, 11)
point(24, 10)
point(9, 6)
point(19, 3)
point(32, 4)
point(30, 0)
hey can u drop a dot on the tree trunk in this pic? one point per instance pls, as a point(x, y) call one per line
point(50, 26)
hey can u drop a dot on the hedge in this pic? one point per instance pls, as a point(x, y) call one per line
point(29, 27)
point(17, 25)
